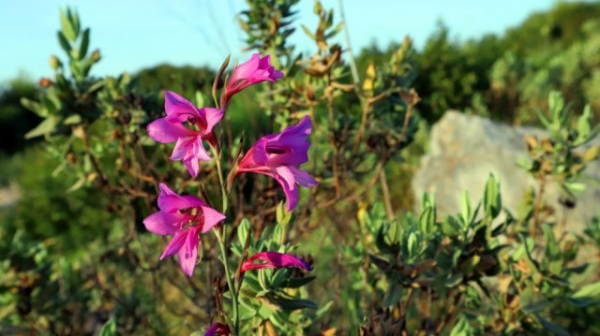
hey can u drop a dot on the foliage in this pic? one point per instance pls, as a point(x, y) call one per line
point(15, 120)
point(76, 258)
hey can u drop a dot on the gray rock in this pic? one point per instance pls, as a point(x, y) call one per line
point(465, 149)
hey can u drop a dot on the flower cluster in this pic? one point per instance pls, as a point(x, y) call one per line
point(185, 217)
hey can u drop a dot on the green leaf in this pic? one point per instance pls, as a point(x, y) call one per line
point(324, 309)
point(45, 127)
point(242, 231)
point(295, 304)
point(80, 182)
point(427, 218)
point(556, 329)
point(283, 217)
point(279, 233)
point(465, 205)
point(85, 42)
point(308, 32)
point(279, 277)
point(109, 328)
point(588, 291)
point(74, 19)
point(34, 107)
point(462, 328)
point(253, 284)
point(536, 306)
point(574, 187)
point(199, 98)
point(67, 26)
point(95, 87)
point(298, 282)
point(454, 280)
point(335, 30)
point(492, 201)
point(451, 226)
point(53, 98)
point(246, 311)
point(412, 244)
point(556, 104)
point(62, 40)
point(265, 311)
point(73, 119)
point(543, 118)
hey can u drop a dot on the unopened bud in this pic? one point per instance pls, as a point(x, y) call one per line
point(71, 158)
point(95, 55)
point(45, 82)
point(54, 62)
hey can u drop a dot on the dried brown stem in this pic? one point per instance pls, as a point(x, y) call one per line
point(449, 314)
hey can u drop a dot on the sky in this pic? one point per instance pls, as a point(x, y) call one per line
point(134, 34)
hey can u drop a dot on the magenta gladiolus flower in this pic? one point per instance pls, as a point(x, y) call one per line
point(184, 218)
point(274, 260)
point(217, 329)
point(253, 71)
point(188, 147)
point(279, 155)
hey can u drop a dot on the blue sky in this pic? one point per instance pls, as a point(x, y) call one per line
point(133, 34)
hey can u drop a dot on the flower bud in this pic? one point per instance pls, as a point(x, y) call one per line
point(54, 62)
point(95, 55)
point(45, 82)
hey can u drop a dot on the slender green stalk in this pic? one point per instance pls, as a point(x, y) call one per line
point(217, 156)
point(234, 300)
point(221, 238)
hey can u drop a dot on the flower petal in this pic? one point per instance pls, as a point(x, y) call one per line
point(302, 178)
point(169, 201)
point(212, 116)
point(163, 223)
point(211, 218)
point(293, 135)
point(288, 182)
point(270, 73)
point(184, 148)
point(274, 260)
point(246, 69)
point(175, 244)
point(193, 166)
point(179, 109)
point(164, 131)
point(199, 151)
point(290, 147)
point(166, 190)
point(188, 254)
point(217, 329)
point(253, 71)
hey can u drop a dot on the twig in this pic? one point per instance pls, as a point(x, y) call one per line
point(353, 67)
point(386, 195)
point(449, 315)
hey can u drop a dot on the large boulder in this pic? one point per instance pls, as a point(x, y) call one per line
point(465, 149)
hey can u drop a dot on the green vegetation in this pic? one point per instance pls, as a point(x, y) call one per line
point(76, 258)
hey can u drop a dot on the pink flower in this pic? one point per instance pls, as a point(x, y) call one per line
point(188, 147)
point(217, 329)
point(274, 260)
point(278, 156)
point(253, 71)
point(184, 218)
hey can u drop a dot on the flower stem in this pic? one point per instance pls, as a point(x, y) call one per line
point(217, 156)
point(221, 238)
